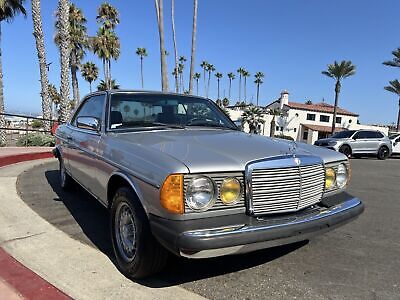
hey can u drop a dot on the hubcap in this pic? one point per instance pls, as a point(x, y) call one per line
point(125, 232)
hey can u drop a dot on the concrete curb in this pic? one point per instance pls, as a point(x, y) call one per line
point(8, 159)
point(78, 270)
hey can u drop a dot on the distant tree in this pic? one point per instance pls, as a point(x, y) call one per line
point(245, 74)
point(103, 85)
point(196, 77)
point(219, 76)
point(54, 96)
point(253, 116)
point(141, 52)
point(181, 68)
point(259, 80)
point(90, 72)
point(225, 102)
point(231, 77)
point(240, 72)
point(210, 69)
point(339, 71)
point(204, 65)
point(219, 102)
point(395, 62)
point(308, 102)
point(394, 87)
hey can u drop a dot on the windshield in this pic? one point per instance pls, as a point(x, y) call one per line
point(343, 134)
point(133, 111)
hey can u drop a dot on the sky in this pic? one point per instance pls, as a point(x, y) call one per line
point(290, 41)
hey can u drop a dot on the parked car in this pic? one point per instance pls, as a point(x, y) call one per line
point(179, 177)
point(395, 139)
point(358, 143)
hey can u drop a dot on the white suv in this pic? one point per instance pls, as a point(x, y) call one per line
point(358, 143)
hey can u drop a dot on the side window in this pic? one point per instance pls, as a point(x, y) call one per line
point(378, 135)
point(93, 107)
point(360, 135)
point(371, 135)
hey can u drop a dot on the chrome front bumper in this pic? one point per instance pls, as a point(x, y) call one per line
point(246, 233)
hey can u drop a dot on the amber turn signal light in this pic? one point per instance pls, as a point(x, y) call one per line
point(171, 194)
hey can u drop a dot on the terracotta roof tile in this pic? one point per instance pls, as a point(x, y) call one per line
point(320, 107)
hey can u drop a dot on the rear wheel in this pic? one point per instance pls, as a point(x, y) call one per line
point(383, 152)
point(66, 181)
point(346, 150)
point(138, 254)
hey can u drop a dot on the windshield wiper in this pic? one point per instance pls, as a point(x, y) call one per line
point(151, 124)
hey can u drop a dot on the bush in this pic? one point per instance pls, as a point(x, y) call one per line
point(37, 124)
point(285, 137)
point(36, 139)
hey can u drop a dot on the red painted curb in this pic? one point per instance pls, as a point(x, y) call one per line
point(27, 283)
point(12, 159)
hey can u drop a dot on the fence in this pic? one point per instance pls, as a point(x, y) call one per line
point(17, 125)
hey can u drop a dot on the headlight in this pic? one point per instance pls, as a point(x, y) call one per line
point(230, 190)
point(342, 176)
point(330, 178)
point(201, 193)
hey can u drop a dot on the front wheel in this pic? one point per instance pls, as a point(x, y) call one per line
point(137, 252)
point(346, 150)
point(383, 153)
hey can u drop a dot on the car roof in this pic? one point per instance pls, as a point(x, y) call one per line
point(149, 92)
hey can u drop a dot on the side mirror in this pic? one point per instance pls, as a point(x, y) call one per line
point(88, 123)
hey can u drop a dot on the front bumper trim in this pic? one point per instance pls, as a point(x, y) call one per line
point(294, 230)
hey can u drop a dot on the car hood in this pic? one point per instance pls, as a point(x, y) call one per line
point(219, 150)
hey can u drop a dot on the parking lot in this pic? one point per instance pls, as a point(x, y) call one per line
point(358, 261)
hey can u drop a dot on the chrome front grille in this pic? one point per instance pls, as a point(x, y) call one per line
point(280, 185)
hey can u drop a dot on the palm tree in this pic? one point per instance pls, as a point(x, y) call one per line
point(160, 22)
point(65, 49)
point(210, 69)
point(225, 102)
point(253, 116)
point(181, 68)
point(218, 102)
point(204, 65)
point(78, 43)
point(108, 16)
point(196, 76)
point(175, 73)
point(103, 86)
point(245, 74)
point(231, 77)
point(54, 97)
point(8, 10)
point(142, 52)
point(90, 72)
point(41, 51)
point(259, 80)
point(276, 112)
point(240, 72)
point(339, 71)
point(106, 44)
point(193, 51)
point(394, 87)
point(219, 76)
point(395, 62)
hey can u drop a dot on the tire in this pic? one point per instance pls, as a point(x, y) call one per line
point(138, 254)
point(383, 153)
point(346, 150)
point(66, 181)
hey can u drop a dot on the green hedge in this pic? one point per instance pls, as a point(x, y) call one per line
point(36, 139)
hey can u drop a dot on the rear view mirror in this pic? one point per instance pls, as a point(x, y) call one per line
point(88, 123)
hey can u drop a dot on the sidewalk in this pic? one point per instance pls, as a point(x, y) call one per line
point(11, 155)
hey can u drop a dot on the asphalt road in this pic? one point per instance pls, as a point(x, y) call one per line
point(360, 260)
